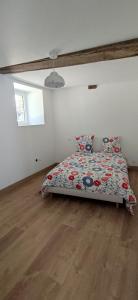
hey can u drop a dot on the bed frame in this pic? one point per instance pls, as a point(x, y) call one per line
point(98, 196)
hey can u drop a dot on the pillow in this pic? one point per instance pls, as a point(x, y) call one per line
point(112, 144)
point(84, 143)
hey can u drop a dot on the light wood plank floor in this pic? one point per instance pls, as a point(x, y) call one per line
point(65, 248)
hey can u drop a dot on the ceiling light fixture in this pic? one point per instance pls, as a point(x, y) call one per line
point(54, 80)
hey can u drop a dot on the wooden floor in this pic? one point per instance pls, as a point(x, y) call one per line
point(66, 248)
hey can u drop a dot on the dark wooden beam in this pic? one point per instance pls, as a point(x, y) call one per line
point(92, 86)
point(118, 50)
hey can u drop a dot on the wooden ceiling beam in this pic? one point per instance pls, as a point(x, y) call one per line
point(118, 50)
point(92, 86)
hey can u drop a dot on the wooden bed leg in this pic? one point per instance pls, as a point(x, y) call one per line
point(117, 205)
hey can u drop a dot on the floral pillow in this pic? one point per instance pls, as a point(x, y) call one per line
point(112, 144)
point(84, 143)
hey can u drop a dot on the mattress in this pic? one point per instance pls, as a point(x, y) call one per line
point(102, 173)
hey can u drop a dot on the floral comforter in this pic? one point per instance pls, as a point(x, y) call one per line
point(96, 172)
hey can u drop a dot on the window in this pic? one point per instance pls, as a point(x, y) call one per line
point(20, 107)
point(29, 105)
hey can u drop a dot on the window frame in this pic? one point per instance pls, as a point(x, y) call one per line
point(24, 95)
point(26, 90)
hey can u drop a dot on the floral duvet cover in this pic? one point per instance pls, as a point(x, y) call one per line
point(96, 172)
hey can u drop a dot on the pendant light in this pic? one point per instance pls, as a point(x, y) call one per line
point(54, 80)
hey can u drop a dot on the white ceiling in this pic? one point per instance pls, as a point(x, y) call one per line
point(29, 29)
point(94, 73)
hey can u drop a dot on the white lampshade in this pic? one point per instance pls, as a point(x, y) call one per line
point(54, 81)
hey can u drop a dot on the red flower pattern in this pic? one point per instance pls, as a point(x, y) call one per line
point(49, 177)
point(131, 198)
point(78, 186)
point(97, 182)
point(81, 147)
point(105, 179)
point(116, 149)
point(74, 173)
point(71, 177)
point(125, 185)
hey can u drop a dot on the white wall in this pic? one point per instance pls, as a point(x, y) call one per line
point(35, 107)
point(111, 109)
point(19, 146)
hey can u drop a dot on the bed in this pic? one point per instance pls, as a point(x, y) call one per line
point(101, 176)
